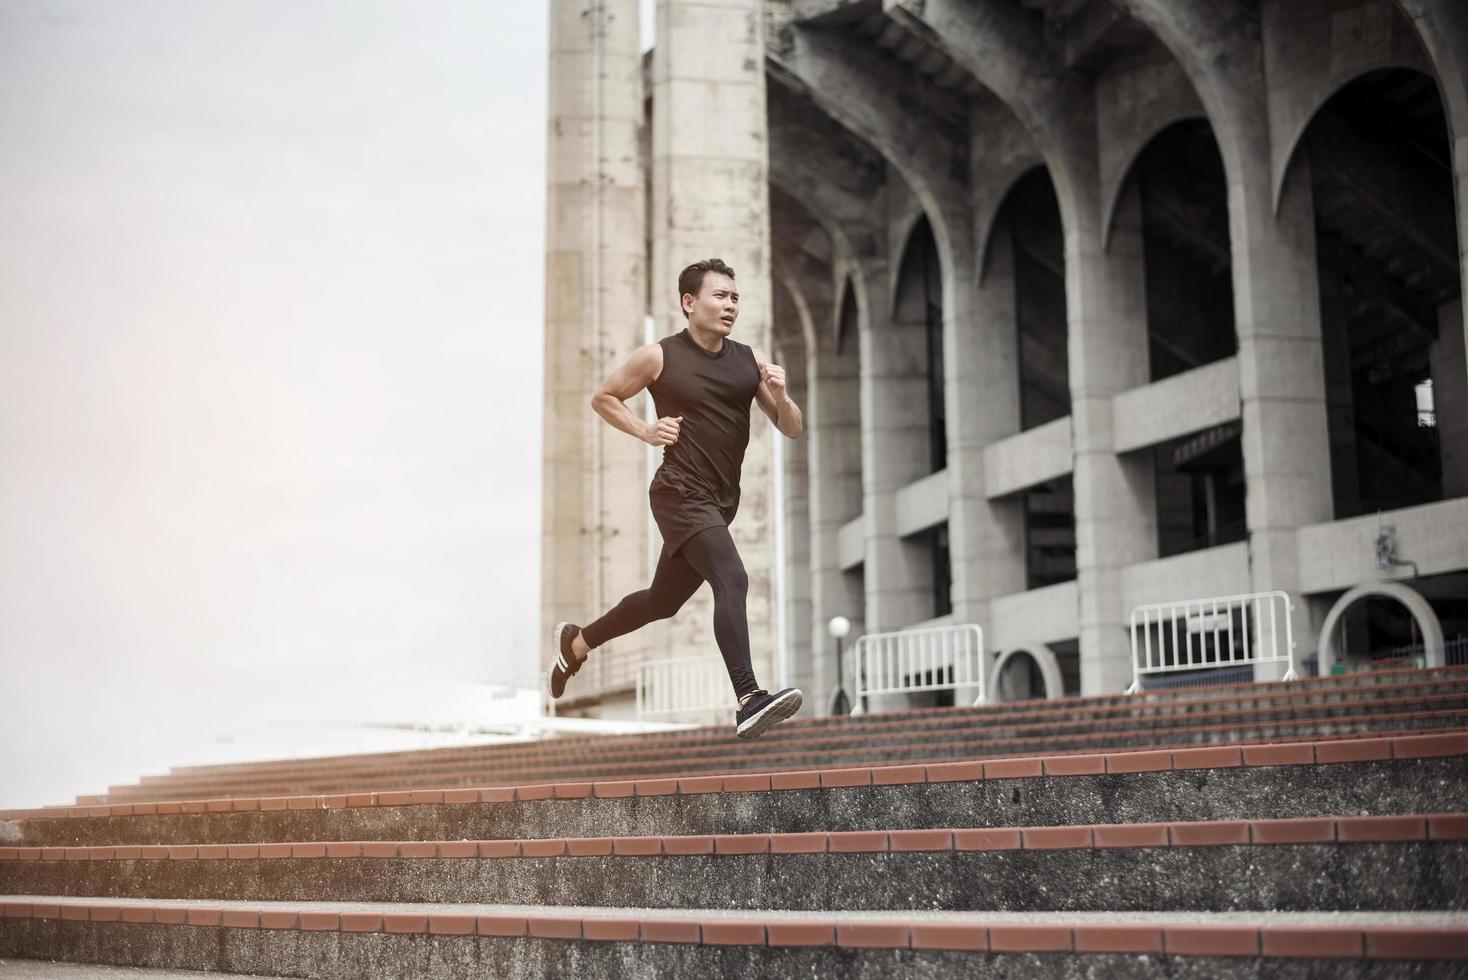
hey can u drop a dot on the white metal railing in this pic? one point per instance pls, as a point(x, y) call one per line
point(683, 685)
point(1206, 634)
point(937, 658)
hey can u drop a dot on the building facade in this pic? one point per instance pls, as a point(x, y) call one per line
point(1089, 303)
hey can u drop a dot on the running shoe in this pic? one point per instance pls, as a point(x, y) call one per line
point(764, 710)
point(564, 663)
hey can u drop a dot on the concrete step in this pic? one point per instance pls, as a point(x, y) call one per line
point(1415, 774)
point(1345, 863)
point(48, 970)
point(734, 755)
point(1262, 703)
point(1249, 697)
point(346, 941)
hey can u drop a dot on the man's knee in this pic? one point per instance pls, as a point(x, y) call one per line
point(736, 580)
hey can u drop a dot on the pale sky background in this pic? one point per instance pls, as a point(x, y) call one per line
point(270, 367)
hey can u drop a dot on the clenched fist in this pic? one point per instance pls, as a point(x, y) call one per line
point(774, 376)
point(663, 432)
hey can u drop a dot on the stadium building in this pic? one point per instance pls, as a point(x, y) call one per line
point(1090, 304)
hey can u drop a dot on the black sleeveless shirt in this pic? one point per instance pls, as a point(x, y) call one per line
point(713, 392)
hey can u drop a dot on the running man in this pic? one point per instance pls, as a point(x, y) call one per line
point(702, 384)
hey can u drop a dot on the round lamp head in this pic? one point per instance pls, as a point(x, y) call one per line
point(839, 626)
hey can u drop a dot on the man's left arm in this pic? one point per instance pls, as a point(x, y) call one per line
point(774, 400)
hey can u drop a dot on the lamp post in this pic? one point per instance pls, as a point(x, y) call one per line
point(839, 627)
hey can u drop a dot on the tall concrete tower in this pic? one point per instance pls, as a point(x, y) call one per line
point(710, 197)
point(594, 531)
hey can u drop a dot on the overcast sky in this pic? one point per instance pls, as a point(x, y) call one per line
point(270, 365)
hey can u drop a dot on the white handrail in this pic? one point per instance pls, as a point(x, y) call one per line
point(1207, 634)
point(683, 685)
point(938, 658)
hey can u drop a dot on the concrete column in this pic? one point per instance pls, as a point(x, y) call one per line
point(1450, 396)
point(790, 352)
point(834, 435)
point(987, 538)
point(1115, 513)
point(594, 535)
point(1286, 441)
point(710, 174)
point(895, 451)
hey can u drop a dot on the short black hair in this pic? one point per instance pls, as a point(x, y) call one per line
point(690, 280)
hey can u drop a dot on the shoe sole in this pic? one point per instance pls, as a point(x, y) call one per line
point(550, 674)
point(774, 713)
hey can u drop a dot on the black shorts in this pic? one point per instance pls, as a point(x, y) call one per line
point(680, 518)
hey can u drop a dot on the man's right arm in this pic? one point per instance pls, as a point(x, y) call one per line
point(610, 400)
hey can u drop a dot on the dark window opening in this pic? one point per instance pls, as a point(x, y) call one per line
point(1068, 655)
point(1031, 216)
point(1185, 243)
point(938, 428)
point(942, 572)
point(1050, 534)
point(1387, 257)
point(1200, 491)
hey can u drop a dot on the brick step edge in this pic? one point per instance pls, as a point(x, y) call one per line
point(1149, 760)
point(1445, 827)
point(535, 756)
point(1393, 725)
point(1300, 687)
point(869, 931)
point(1291, 704)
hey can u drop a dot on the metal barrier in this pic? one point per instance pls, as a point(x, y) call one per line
point(939, 658)
point(1198, 635)
point(683, 685)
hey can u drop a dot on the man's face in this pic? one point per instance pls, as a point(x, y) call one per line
point(716, 306)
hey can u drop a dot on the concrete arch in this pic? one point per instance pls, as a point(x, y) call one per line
point(1417, 605)
point(1291, 149)
point(1111, 194)
point(1218, 47)
point(903, 235)
point(986, 234)
point(1043, 657)
point(802, 312)
point(876, 103)
point(894, 271)
point(1442, 28)
point(999, 46)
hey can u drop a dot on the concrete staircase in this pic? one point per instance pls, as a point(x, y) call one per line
point(1340, 852)
point(1378, 702)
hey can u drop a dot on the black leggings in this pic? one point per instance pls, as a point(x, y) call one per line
point(709, 556)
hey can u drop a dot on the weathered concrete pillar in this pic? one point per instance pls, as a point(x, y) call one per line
point(895, 451)
point(710, 172)
point(594, 528)
point(1114, 502)
point(789, 344)
point(987, 537)
point(839, 183)
point(835, 433)
point(1286, 434)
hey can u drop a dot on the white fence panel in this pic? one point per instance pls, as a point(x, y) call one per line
point(938, 658)
point(683, 686)
point(1207, 634)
